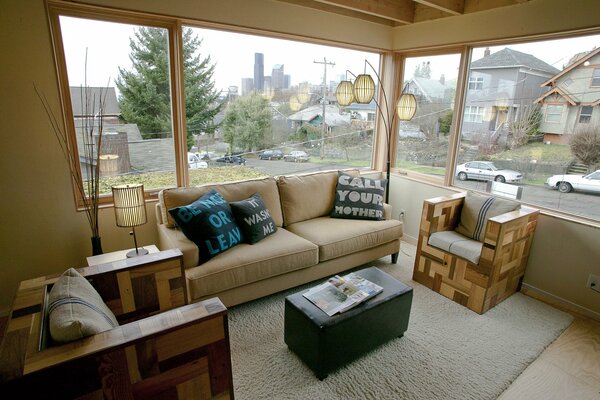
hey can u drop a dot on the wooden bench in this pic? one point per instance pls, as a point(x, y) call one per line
point(163, 347)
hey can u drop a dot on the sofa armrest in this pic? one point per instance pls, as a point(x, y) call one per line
point(158, 213)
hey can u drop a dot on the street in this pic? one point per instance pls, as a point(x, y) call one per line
point(583, 204)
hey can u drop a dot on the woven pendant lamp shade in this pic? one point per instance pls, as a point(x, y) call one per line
point(303, 93)
point(406, 107)
point(345, 93)
point(295, 104)
point(364, 89)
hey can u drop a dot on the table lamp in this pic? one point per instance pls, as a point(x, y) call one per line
point(130, 211)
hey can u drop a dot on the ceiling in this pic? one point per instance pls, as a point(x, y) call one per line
point(402, 12)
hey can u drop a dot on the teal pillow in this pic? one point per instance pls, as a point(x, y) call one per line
point(209, 223)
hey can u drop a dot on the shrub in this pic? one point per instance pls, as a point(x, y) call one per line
point(585, 145)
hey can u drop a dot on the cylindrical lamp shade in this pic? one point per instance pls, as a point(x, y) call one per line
point(364, 89)
point(130, 207)
point(406, 107)
point(345, 93)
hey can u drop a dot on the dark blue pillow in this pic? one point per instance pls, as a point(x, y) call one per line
point(209, 223)
point(358, 197)
point(253, 218)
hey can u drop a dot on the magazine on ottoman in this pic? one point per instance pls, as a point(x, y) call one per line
point(341, 293)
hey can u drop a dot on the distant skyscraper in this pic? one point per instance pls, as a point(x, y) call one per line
point(247, 85)
point(277, 77)
point(259, 71)
point(287, 81)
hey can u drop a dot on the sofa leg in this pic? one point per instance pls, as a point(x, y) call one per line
point(395, 258)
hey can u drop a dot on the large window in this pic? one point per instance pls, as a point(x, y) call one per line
point(423, 142)
point(120, 89)
point(534, 129)
point(243, 94)
point(596, 77)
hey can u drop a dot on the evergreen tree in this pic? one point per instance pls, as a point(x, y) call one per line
point(145, 90)
point(247, 123)
point(423, 70)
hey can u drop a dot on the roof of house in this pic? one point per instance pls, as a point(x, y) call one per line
point(574, 62)
point(509, 58)
point(433, 88)
point(94, 96)
point(332, 115)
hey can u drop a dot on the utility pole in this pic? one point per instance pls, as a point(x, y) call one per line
point(324, 101)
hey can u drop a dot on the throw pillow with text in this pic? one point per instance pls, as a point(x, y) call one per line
point(209, 223)
point(253, 218)
point(358, 197)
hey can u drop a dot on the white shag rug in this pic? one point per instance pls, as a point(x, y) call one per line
point(448, 351)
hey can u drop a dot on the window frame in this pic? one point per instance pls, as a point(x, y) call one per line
point(586, 116)
point(595, 78)
point(478, 115)
point(548, 113)
point(476, 82)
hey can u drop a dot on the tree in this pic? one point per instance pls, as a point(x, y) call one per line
point(145, 90)
point(247, 123)
point(423, 70)
point(445, 122)
point(585, 145)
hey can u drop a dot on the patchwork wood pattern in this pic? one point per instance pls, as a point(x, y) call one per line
point(166, 349)
point(502, 262)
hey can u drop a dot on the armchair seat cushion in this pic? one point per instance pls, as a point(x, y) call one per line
point(457, 244)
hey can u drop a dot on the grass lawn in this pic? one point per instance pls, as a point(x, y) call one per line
point(537, 151)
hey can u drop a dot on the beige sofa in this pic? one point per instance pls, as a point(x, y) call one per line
point(307, 245)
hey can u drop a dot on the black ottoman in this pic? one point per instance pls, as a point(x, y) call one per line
point(325, 343)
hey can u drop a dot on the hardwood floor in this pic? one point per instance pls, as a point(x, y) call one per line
point(568, 369)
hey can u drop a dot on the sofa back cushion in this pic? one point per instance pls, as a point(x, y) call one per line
point(231, 191)
point(308, 196)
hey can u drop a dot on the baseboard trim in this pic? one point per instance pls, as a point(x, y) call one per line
point(558, 302)
point(409, 239)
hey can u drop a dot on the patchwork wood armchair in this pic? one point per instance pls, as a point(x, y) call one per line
point(162, 348)
point(475, 273)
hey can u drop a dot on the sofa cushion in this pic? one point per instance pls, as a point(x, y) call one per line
point(308, 196)
point(253, 218)
point(209, 223)
point(76, 310)
point(338, 237)
point(457, 244)
point(357, 197)
point(231, 191)
point(277, 254)
point(476, 211)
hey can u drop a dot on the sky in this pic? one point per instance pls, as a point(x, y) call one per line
point(233, 54)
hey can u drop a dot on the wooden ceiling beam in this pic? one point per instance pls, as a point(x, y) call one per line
point(454, 7)
point(402, 11)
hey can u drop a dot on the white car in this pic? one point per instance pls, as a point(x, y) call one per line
point(486, 171)
point(568, 183)
point(194, 162)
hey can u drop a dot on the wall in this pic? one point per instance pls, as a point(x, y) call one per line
point(562, 256)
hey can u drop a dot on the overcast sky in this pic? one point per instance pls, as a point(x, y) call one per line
point(233, 54)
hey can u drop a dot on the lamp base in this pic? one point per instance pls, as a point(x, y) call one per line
point(137, 252)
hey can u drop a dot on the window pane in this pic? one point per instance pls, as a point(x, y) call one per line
point(272, 104)
point(596, 77)
point(538, 127)
point(423, 141)
point(130, 103)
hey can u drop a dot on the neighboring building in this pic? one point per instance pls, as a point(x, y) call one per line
point(501, 87)
point(94, 96)
point(573, 99)
point(438, 91)
point(314, 115)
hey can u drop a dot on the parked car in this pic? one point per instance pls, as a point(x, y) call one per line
point(296, 156)
point(568, 183)
point(486, 171)
point(194, 161)
point(229, 159)
point(271, 155)
point(207, 156)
